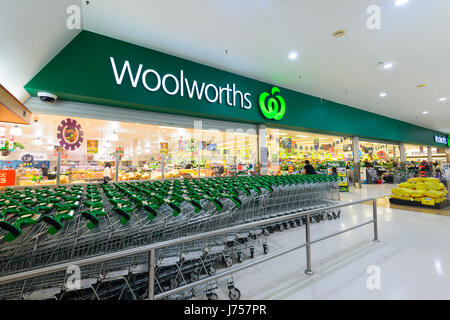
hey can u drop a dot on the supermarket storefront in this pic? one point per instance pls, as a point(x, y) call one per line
point(160, 115)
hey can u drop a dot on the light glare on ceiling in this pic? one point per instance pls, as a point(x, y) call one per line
point(293, 55)
point(383, 94)
point(425, 112)
point(401, 2)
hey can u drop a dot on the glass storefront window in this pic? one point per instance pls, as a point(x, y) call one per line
point(380, 153)
point(141, 149)
point(288, 150)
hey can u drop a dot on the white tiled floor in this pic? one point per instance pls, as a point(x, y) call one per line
point(413, 257)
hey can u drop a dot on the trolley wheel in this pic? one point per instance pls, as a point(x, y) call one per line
point(311, 220)
point(240, 258)
point(266, 232)
point(334, 215)
point(294, 224)
point(339, 214)
point(227, 261)
point(280, 227)
point(193, 276)
point(266, 249)
point(234, 294)
point(212, 296)
point(252, 253)
point(211, 270)
point(329, 216)
point(300, 222)
point(287, 225)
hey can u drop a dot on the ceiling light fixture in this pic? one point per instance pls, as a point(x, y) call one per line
point(114, 137)
point(387, 66)
point(383, 94)
point(15, 131)
point(425, 112)
point(443, 99)
point(293, 55)
point(38, 141)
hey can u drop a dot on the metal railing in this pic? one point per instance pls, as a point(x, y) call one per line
point(152, 247)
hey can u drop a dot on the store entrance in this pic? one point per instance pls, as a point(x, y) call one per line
point(379, 162)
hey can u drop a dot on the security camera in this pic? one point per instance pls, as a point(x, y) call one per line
point(47, 97)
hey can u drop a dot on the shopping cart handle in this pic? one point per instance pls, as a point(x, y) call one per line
point(92, 217)
point(153, 211)
point(55, 224)
point(125, 216)
point(13, 230)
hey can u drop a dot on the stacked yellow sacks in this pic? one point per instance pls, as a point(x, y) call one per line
point(416, 189)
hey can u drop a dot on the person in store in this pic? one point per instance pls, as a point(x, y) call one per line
point(44, 170)
point(308, 168)
point(190, 165)
point(107, 173)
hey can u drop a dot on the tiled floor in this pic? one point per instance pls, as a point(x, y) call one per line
point(413, 257)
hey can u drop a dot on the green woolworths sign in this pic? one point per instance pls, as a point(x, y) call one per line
point(97, 69)
point(272, 107)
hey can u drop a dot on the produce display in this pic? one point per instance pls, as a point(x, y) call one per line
point(420, 189)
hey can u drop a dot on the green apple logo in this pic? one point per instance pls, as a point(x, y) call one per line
point(272, 106)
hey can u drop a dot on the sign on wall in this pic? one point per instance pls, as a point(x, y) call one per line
point(7, 178)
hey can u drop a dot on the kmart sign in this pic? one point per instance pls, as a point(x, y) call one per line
point(179, 85)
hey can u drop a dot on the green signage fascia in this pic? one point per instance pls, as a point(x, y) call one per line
point(97, 69)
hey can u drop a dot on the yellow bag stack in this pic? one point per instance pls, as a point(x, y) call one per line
point(416, 189)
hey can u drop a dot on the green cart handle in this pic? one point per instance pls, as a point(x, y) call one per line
point(125, 213)
point(92, 216)
point(94, 204)
point(55, 222)
point(15, 229)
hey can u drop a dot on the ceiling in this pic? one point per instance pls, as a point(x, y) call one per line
point(254, 39)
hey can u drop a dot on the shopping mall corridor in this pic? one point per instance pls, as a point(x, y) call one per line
point(412, 257)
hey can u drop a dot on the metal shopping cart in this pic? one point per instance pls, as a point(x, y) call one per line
point(99, 219)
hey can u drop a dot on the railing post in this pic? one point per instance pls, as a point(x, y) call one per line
point(308, 247)
point(151, 274)
point(375, 220)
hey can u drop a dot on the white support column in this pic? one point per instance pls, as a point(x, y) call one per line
point(357, 172)
point(402, 156)
point(262, 149)
point(430, 158)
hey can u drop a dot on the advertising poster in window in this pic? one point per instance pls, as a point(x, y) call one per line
point(92, 146)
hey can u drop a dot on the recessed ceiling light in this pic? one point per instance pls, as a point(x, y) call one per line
point(401, 2)
point(293, 55)
point(425, 112)
point(443, 99)
point(383, 94)
point(388, 65)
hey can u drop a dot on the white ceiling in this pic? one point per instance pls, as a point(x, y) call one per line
point(258, 36)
